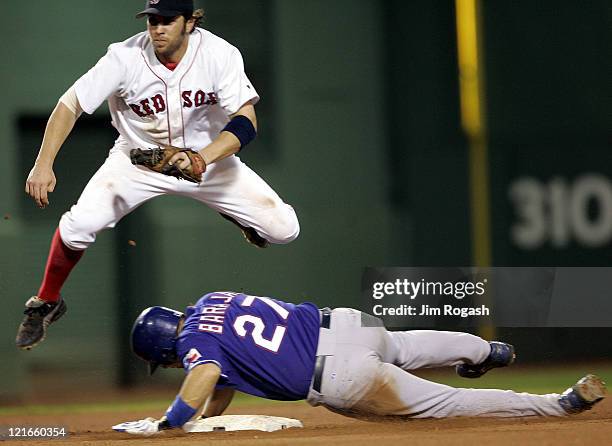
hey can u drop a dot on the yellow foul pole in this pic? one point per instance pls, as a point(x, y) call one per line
point(473, 121)
point(471, 83)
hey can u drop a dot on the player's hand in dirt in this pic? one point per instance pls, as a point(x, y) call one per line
point(147, 427)
point(41, 181)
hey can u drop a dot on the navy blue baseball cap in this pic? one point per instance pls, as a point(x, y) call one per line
point(167, 8)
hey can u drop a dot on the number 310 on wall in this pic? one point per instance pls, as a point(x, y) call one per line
point(560, 211)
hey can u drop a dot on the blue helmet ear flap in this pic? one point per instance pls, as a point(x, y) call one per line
point(154, 336)
point(169, 357)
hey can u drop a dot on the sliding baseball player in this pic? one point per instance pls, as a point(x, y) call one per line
point(342, 359)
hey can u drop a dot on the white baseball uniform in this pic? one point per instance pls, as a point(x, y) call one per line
point(187, 107)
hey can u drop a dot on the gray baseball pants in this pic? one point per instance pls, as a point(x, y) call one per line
point(366, 373)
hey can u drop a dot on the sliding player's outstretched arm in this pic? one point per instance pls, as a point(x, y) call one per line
point(198, 386)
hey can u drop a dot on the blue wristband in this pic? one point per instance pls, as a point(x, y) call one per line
point(179, 413)
point(242, 128)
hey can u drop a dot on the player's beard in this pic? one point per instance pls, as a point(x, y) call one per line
point(173, 47)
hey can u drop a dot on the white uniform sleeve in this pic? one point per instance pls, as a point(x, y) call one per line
point(234, 87)
point(106, 78)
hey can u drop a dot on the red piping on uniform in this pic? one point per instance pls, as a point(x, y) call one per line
point(166, 94)
point(181, 98)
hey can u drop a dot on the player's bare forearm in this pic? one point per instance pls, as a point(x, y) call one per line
point(217, 404)
point(41, 179)
point(223, 146)
point(226, 143)
point(199, 384)
point(59, 126)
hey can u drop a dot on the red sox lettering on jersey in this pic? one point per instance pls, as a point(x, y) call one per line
point(157, 104)
point(152, 105)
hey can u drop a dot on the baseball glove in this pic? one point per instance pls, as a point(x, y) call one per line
point(158, 160)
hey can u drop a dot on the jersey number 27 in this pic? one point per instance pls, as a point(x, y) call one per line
point(258, 324)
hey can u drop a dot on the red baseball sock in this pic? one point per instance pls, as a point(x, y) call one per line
point(60, 262)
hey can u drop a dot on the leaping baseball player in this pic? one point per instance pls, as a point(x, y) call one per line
point(183, 106)
point(342, 359)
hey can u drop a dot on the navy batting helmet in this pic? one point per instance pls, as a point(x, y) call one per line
point(154, 336)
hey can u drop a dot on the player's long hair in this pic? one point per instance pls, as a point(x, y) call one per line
point(198, 15)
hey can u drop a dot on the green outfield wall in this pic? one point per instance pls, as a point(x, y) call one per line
point(359, 131)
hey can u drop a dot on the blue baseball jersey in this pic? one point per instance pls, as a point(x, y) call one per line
point(264, 347)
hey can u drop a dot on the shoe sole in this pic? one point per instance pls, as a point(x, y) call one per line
point(591, 389)
point(513, 357)
point(54, 316)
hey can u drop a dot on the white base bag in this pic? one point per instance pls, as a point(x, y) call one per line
point(241, 423)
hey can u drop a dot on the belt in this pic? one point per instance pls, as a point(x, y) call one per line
point(320, 361)
point(325, 317)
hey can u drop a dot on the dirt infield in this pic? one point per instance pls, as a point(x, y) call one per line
point(324, 427)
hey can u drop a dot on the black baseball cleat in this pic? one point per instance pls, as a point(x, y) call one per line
point(250, 234)
point(583, 395)
point(39, 315)
point(501, 355)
